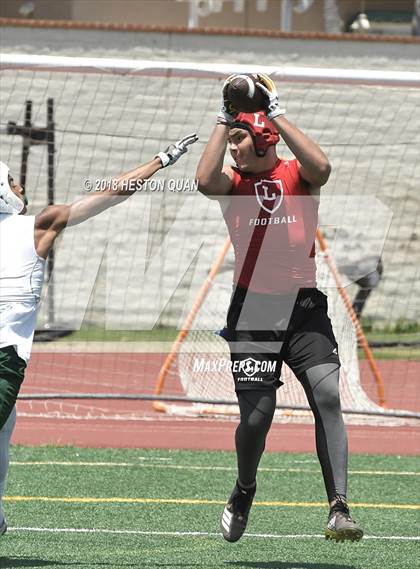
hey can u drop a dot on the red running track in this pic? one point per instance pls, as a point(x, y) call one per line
point(141, 427)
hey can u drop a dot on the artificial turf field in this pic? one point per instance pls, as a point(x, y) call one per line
point(93, 508)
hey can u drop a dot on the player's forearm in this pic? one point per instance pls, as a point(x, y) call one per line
point(308, 153)
point(55, 218)
point(210, 166)
point(92, 205)
point(128, 183)
point(119, 189)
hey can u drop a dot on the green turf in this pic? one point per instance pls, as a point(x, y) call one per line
point(383, 336)
point(411, 353)
point(202, 476)
point(102, 335)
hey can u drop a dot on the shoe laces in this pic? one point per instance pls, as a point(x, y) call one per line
point(241, 500)
point(341, 507)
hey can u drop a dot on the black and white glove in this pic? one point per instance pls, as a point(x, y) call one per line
point(269, 90)
point(174, 151)
point(228, 112)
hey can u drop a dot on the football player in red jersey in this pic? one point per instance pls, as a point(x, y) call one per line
point(276, 314)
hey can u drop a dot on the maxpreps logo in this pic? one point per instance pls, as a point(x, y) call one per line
point(250, 368)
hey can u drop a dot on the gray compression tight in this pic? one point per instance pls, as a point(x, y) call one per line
point(5, 435)
point(257, 408)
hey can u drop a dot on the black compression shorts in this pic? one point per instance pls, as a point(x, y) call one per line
point(265, 330)
point(12, 371)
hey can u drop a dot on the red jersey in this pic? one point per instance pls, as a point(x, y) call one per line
point(272, 220)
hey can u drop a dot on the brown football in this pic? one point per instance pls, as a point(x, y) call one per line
point(244, 95)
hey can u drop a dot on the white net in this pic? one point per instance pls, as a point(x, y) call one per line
point(112, 114)
point(114, 273)
point(203, 358)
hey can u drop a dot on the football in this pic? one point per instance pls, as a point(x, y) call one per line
point(244, 95)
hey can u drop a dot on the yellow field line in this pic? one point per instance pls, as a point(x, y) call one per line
point(180, 501)
point(203, 468)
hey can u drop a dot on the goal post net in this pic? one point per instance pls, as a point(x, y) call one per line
point(139, 267)
point(200, 357)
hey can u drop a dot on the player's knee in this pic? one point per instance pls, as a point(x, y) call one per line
point(9, 425)
point(256, 424)
point(328, 397)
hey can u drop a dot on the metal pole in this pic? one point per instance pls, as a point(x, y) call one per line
point(26, 139)
point(51, 199)
point(193, 14)
point(39, 135)
point(286, 16)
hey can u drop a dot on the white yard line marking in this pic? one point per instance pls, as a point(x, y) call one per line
point(199, 533)
point(199, 467)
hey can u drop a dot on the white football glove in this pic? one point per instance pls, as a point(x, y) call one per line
point(174, 151)
point(269, 90)
point(228, 112)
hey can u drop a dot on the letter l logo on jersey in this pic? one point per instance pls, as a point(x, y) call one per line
point(269, 194)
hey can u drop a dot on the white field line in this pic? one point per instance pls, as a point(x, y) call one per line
point(200, 534)
point(200, 467)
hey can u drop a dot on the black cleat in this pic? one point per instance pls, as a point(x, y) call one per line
point(3, 527)
point(341, 526)
point(235, 514)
